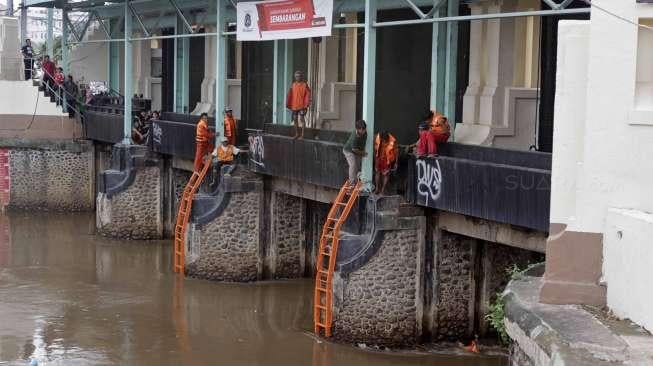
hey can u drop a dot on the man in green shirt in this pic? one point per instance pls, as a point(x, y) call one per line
point(354, 150)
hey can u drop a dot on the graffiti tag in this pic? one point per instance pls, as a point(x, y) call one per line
point(257, 150)
point(429, 180)
point(157, 133)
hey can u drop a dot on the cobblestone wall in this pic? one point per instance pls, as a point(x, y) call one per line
point(136, 212)
point(455, 286)
point(179, 179)
point(228, 248)
point(380, 300)
point(52, 179)
point(287, 236)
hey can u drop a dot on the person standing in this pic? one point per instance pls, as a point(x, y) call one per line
point(386, 152)
point(72, 91)
point(354, 150)
point(230, 126)
point(48, 74)
point(59, 79)
point(298, 101)
point(28, 58)
point(203, 138)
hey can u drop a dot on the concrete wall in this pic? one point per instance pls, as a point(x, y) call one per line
point(50, 176)
point(602, 140)
point(11, 61)
point(89, 62)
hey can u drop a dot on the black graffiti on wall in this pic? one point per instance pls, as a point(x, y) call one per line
point(429, 181)
point(257, 150)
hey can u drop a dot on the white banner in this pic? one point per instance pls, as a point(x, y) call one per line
point(283, 19)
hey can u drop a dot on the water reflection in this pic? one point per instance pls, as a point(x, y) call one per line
point(68, 297)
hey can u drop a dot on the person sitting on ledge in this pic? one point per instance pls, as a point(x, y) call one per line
point(426, 145)
point(386, 152)
point(354, 150)
point(203, 138)
point(440, 126)
point(225, 152)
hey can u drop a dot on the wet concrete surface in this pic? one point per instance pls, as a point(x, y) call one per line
point(68, 297)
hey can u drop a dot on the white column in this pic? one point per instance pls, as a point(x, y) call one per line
point(470, 99)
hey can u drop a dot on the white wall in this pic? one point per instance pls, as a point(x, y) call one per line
point(88, 62)
point(601, 155)
point(11, 64)
point(20, 98)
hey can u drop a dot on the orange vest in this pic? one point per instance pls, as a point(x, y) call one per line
point(388, 151)
point(226, 155)
point(202, 133)
point(299, 96)
point(230, 128)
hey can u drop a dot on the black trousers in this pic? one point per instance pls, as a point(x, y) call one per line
point(29, 65)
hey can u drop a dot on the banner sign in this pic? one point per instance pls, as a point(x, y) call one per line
point(283, 19)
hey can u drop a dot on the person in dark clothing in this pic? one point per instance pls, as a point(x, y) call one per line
point(72, 91)
point(28, 58)
point(354, 150)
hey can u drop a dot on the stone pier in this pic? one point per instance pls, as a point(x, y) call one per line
point(129, 201)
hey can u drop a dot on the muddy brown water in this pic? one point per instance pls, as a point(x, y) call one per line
point(68, 297)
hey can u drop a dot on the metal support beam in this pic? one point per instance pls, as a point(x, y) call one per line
point(437, 63)
point(416, 9)
point(104, 26)
point(85, 27)
point(129, 86)
point(288, 71)
point(369, 89)
point(114, 58)
point(65, 20)
point(182, 71)
point(50, 36)
point(180, 13)
point(279, 81)
point(463, 18)
point(451, 63)
point(221, 67)
point(139, 20)
point(552, 4)
point(564, 4)
point(23, 22)
point(64, 44)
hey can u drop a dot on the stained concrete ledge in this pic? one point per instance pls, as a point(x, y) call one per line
point(544, 334)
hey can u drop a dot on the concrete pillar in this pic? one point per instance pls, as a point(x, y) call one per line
point(369, 89)
point(142, 68)
point(208, 83)
point(288, 70)
point(470, 99)
point(128, 91)
point(278, 105)
point(498, 67)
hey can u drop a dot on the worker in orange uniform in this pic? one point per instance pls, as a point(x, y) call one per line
point(230, 126)
point(298, 101)
point(203, 138)
point(225, 153)
point(440, 126)
point(386, 152)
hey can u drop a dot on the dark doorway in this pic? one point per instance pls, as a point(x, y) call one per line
point(256, 84)
point(196, 72)
point(168, 74)
point(548, 69)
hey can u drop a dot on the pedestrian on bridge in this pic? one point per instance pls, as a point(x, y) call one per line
point(298, 101)
point(354, 150)
point(28, 58)
point(230, 127)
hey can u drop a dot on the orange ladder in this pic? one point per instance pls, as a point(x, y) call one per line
point(184, 214)
point(326, 258)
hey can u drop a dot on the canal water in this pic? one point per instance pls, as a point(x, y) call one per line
point(68, 297)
